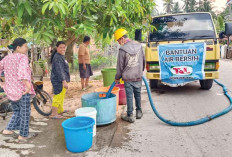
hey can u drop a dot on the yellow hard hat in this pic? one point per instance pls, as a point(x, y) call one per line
point(119, 33)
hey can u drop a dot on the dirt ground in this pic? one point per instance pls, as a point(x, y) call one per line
point(73, 96)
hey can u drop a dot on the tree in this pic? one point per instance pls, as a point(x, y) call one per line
point(70, 20)
point(186, 7)
point(192, 5)
point(168, 6)
point(176, 8)
point(155, 12)
point(200, 4)
point(226, 14)
point(220, 23)
point(205, 6)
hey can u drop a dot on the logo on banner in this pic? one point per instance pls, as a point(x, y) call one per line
point(182, 70)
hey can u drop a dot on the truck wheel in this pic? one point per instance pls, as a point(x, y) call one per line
point(153, 84)
point(206, 84)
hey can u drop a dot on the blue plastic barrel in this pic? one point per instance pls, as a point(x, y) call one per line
point(78, 132)
point(106, 108)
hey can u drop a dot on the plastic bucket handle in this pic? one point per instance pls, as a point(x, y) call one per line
point(88, 131)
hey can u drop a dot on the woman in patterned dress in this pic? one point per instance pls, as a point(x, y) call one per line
point(18, 88)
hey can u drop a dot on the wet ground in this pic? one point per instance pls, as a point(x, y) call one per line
point(149, 136)
point(51, 142)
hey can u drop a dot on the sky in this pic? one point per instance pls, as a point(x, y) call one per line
point(218, 5)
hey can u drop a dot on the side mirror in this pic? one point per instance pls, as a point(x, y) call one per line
point(228, 28)
point(138, 34)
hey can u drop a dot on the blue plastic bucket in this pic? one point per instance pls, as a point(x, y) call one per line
point(88, 112)
point(106, 108)
point(78, 132)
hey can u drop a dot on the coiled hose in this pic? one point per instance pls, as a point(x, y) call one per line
point(191, 123)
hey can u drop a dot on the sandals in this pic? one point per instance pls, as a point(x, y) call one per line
point(65, 111)
point(89, 86)
point(14, 135)
point(29, 137)
point(83, 89)
point(57, 117)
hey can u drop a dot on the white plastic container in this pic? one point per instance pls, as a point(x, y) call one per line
point(223, 51)
point(88, 112)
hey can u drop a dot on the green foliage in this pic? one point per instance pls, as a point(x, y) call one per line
point(193, 6)
point(70, 20)
point(41, 63)
point(168, 6)
point(100, 61)
point(205, 6)
point(226, 14)
point(43, 66)
point(57, 6)
point(71, 67)
point(176, 8)
point(20, 19)
point(75, 61)
point(197, 6)
point(220, 24)
point(190, 5)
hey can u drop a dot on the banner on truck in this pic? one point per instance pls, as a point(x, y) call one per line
point(181, 63)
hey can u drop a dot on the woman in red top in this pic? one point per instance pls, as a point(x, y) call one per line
point(18, 88)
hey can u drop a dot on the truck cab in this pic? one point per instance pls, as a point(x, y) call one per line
point(179, 29)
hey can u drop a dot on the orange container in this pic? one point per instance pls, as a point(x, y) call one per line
point(115, 91)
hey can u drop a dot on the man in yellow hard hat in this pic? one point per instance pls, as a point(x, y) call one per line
point(130, 67)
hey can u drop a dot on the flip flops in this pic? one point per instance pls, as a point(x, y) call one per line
point(14, 135)
point(83, 89)
point(89, 86)
point(65, 111)
point(57, 117)
point(62, 113)
point(29, 137)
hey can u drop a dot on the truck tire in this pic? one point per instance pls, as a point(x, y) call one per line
point(206, 84)
point(153, 84)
